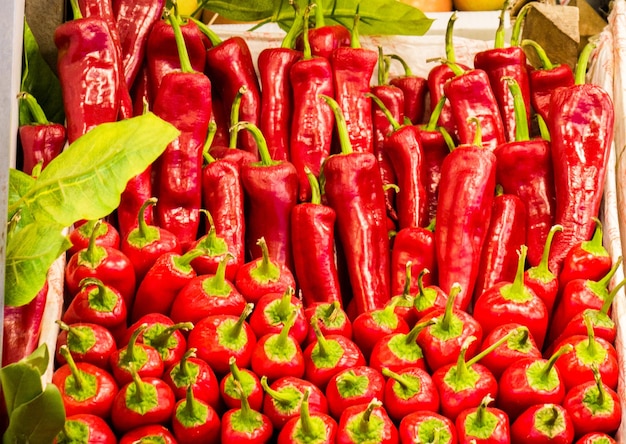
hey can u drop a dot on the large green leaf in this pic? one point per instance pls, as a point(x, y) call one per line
point(87, 179)
point(242, 10)
point(21, 381)
point(31, 251)
point(39, 80)
point(38, 421)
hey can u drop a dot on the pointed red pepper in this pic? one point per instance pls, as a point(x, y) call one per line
point(415, 89)
point(324, 39)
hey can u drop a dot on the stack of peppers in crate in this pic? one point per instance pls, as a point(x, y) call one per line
point(319, 257)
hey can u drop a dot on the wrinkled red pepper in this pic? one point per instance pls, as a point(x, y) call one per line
point(415, 89)
point(324, 39)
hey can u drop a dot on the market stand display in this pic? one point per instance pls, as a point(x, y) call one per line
point(406, 48)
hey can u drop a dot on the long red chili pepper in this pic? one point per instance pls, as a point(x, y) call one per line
point(354, 189)
point(91, 93)
point(581, 127)
point(41, 140)
point(524, 168)
point(353, 67)
point(403, 147)
point(184, 100)
point(466, 190)
point(277, 98)
point(324, 39)
point(500, 62)
point(313, 245)
point(229, 65)
point(271, 188)
point(415, 89)
point(312, 123)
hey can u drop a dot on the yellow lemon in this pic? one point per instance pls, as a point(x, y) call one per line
point(478, 5)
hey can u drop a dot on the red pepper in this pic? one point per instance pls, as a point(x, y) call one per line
point(195, 421)
point(324, 39)
point(399, 350)
point(366, 421)
point(134, 21)
point(466, 191)
point(21, 327)
point(505, 235)
point(184, 100)
point(144, 244)
point(86, 342)
point(428, 298)
point(91, 91)
point(596, 438)
point(308, 426)
point(273, 310)
point(137, 191)
point(415, 89)
point(107, 235)
point(546, 79)
point(162, 282)
point(85, 427)
point(243, 424)
point(277, 99)
point(271, 188)
point(157, 432)
point(251, 386)
point(313, 247)
point(438, 76)
point(501, 62)
point(353, 67)
point(108, 264)
point(136, 358)
point(229, 65)
point(40, 140)
point(404, 303)
point(409, 390)
point(581, 143)
point(84, 387)
point(354, 386)
point(483, 424)
point(140, 402)
point(311, 123)
point(332, 319)
point(432, 425)
point(403, 148)
point(543, 423)
point(518, 346)
point(353, 188)
point(524, 168)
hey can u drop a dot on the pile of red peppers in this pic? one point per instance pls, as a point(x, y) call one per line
point(322, 256)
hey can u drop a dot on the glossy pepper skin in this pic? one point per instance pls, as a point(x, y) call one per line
point(466, 193)
point(184, 100)
point(324, 39)
point(313, 246)
point(353, 188)
point(40, 140)
point(581, 128)
point(415, 245)
point(414, 89)
point(91, 93)
point(312, 122)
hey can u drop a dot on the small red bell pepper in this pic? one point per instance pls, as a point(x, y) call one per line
point(142, 401)
point(184, 100)
point(313, 247)
point(428, 298)
point(353, 67)
point(277, 99)
point(308, 426)
point(332, 319)
point(244, 424)
point(323, 38)
point(86, 342)
point(512, 301)
point(271, 188)
point(91, 91)
point(84, 387)
point(370, 326)
point(367, 421)
point(271, 312)
point(581, 143)
point(483, 424)
point(311, 131)
point(594, 407)
point(353, 188)
point(466, 191)
point(415, 89)
point(409, 390)
point(194, 420)
point(542, 424)
point(501, 62)
point(353, 386)
point(85, 427)
point(148, 432)
point(546, 79)
point(518, 346)
point(251, 386)
point(162, 282)
point(433, 426)
point(505, 235)
point(417, 245)
point(106, 235)
point(144, 244)
point(596, 438)
point(217, 338)
point(136, 357)
point(40, 140)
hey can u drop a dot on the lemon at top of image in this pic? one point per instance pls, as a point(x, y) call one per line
point(461, 5)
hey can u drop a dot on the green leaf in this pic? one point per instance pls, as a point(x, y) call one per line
point(241, 10)
point(19, 184)
point(39, 80)
point(39, 420)
point(39, 359)
point(376, 17)
point(21, 383)
point(87, 179)
point(31, 251)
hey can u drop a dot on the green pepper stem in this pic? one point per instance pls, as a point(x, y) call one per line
point(261, 143)
point(142, 225)
point(543, 265)
point(462, 367)
point(543, 128)
point(320, 20)
point(518, 287)
point(77, 374)
point(421, 291)
point(212, 130)
point(449, 310)
point(394, 123)
point(406, 289)
point(478, 136)
point(592, 344)
point(308, 429)
point(102, 289)
point(342, 128)
point(237, 328)
point(447, 138)
point(583, 62)
point(412, 335)
point(163, 337)
point(547, 368)
point(606, 279)
point(36, 111)
point(185, 62)
point(184, 262)
point(322, 343)
point(405, 65)
point(129, 355)
point(449, 39)
point(608, 302)
point(516, 33)
point(436, 113)
point(283, 340)
point(383, 68)
point(289, 40)
point(499, 40)
point(522, 133)
point(496, 344)
point(212, 35)
point(306, 50)
point(140, 393)
point(76, 12)
point(364, 424)
point(316, 194)
point(92, 246)
point(234, 116)
point(355, 41)
point(183, 365)
point(545, 61)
